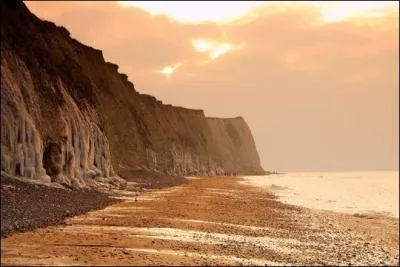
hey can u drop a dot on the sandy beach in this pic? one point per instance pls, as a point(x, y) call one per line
point(207, 221)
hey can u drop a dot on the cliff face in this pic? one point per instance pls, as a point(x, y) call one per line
point(68, 116)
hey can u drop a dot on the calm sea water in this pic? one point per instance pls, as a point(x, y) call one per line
point(347, 192)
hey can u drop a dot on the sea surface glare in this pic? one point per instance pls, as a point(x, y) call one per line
point(347, 192)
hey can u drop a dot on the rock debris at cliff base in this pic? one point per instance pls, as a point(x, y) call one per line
point(26, 206)
point(151, 180)
point(29, 205)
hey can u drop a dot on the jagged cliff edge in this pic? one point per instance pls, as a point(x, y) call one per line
point(68, 116)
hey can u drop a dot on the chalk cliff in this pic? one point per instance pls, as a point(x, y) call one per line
point(68, 116)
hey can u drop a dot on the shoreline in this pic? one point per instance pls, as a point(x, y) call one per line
point(334, 191)
point(361, 214)
point(214, 221)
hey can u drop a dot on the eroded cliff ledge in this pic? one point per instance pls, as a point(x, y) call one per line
point(68, 116)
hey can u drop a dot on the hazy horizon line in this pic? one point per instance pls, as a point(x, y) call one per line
point(336, 171)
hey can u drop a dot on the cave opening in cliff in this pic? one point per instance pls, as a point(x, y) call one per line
point(52, 159)
point(18, 169)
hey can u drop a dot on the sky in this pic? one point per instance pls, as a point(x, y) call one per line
point(317, 82)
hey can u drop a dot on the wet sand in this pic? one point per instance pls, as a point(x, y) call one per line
point(207, 221)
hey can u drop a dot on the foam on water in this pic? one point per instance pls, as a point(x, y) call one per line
point(347, 192)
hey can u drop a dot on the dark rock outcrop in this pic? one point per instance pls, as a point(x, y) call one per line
point(68, 116)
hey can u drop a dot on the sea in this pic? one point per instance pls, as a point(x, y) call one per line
point(346, 192)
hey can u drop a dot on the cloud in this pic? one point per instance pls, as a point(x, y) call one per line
point(317, 96)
